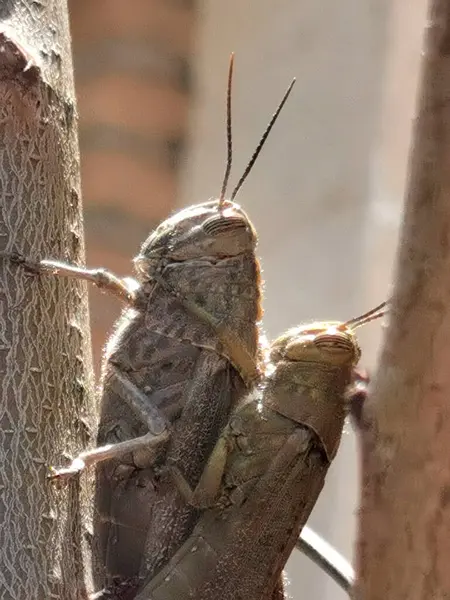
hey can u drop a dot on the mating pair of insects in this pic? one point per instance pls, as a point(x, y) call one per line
point(212, 450)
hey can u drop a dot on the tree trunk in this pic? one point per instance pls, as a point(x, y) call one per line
point(403, 546)
point(46, 401)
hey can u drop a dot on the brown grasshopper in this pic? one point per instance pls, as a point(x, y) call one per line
point(266, 471)
point(184, 352)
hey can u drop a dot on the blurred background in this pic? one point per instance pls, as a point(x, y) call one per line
point(326, 193)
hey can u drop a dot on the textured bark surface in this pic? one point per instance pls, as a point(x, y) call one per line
point(403, 548)
point(46, 400)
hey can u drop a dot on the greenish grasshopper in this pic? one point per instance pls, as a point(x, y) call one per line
point(266, 471)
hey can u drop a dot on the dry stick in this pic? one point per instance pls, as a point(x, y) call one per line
point(403, 542)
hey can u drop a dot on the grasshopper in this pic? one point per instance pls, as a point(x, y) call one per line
point(184, 353)
point(266, 471)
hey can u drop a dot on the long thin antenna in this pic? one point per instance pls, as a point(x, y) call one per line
point(375, 313)
point(262, 141)
point(229, 134)
point(373, 317)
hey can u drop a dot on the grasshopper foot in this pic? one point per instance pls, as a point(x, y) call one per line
point(90, 458)
point(27, 264)
point(124, 289)
point(63, 474)
point(356, 397)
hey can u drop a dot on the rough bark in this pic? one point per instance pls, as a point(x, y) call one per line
point(403, 546)
point(46, 399)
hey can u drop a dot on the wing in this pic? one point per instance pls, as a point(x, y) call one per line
point(174, 372)
point(255, 538)
point(140, 518)
point(211, 395)
point(159, 368)
point(241, 557)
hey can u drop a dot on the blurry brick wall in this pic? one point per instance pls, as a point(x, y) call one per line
point(132, 73)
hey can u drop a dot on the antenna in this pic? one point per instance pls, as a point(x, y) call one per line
point(375, 313)
point(229, 134)
point(262, 141)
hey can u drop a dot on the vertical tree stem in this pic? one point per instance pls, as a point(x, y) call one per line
point(46, 396)
point(403, 546)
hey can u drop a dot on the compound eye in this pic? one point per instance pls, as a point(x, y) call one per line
point(222, 224)
point(334, 343)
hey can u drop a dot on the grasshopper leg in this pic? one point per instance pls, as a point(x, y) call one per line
point(206, 491)
point(123, 289)
point(92, 457)
point(327, 558)
point(139, 402)
point(102, 278)
point(158, 430)
point(182, 485)
point(356, 398)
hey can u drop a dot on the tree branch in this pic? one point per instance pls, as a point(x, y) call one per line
point(46, 399)
point(403, 543)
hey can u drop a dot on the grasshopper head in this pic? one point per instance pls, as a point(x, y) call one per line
point(331, 343)
point(209, 231)
point(312, 367)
